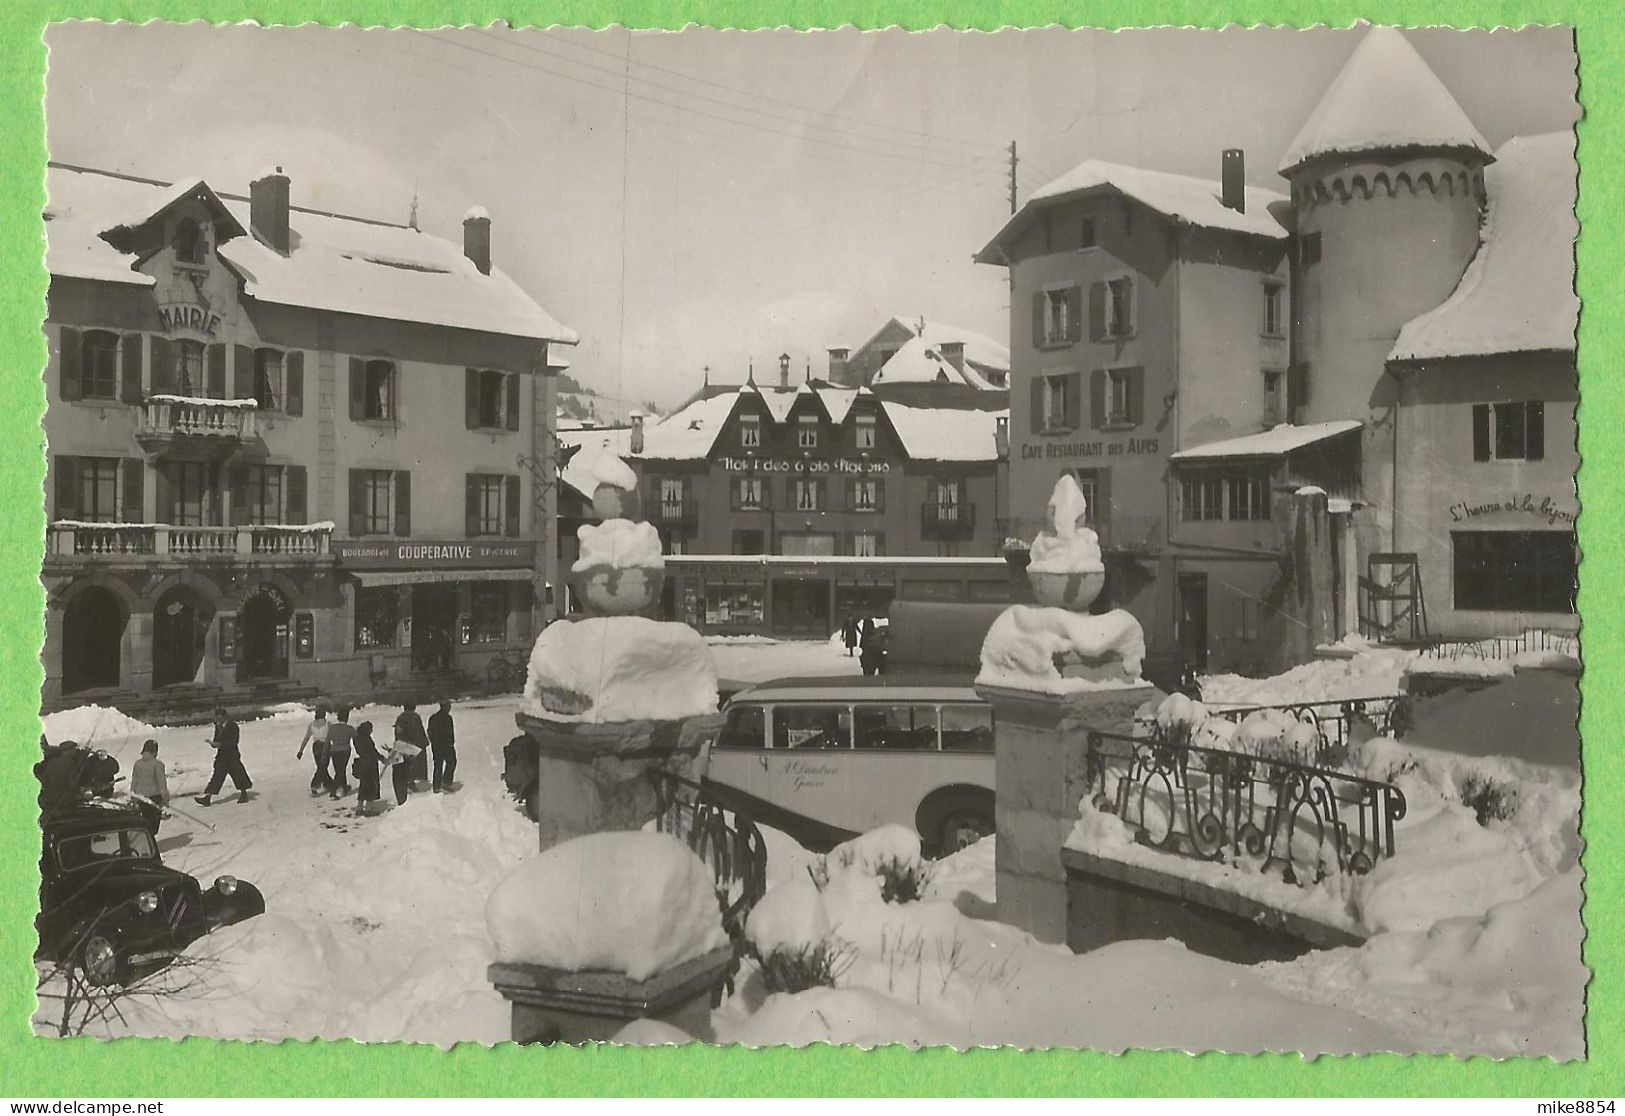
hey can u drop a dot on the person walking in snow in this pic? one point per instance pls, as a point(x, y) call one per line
point(339, 734)
point(401, 760)
point(228, 760)
point(149, 780)
point(849, 634)
point(443, 740)
point(409, 730)
point(367, 765)
point(316, 738)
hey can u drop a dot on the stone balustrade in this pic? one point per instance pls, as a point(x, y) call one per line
point(170, 417)
point(116, 541)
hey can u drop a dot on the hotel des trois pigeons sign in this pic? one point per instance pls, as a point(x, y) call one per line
point(429, 554)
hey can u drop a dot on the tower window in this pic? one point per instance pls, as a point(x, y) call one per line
point(1309, 249)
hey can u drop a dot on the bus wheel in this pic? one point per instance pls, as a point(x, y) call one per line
point(955, 819)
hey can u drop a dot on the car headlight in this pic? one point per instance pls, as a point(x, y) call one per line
point(146, 902)
point(226, 885)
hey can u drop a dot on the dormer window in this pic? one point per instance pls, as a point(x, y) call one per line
point(750, 431)
point(189, 242)
point(807, 432)
point(866, 432)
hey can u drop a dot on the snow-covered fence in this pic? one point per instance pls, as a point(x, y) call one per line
point(726, 839)
point(1212, 804)
point(1335, 721)
point(1530, 640)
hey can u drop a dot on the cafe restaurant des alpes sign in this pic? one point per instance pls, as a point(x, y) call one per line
point(431, 554)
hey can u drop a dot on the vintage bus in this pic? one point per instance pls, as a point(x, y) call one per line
point(824, 759)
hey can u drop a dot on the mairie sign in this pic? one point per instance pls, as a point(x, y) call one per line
point(426, 554)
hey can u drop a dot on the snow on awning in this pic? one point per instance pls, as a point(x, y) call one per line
point(1274, 442)
point(372, 579)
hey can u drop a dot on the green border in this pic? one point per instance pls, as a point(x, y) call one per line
point(44, 1068)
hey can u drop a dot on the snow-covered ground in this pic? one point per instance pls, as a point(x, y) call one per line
point(758, 658)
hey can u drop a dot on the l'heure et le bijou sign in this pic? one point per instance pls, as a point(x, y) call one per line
point(431, 554)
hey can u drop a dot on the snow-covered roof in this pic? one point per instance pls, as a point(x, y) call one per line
point(1274, 442)
point(838, 401)
point(690, 433)
point(778, 401)
point(1183, 197)
point(980, 349)
point(920, 362)
point(338, 263)
point(1518, 293)
point(1385, 98)
point(945, 433)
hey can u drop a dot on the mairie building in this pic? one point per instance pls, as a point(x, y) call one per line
point(288, 451)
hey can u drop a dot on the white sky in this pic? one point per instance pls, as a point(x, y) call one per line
point(757, 192)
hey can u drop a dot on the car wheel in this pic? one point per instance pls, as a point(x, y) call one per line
point(100, 961)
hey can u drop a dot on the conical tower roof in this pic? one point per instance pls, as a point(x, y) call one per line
point(1385, 98)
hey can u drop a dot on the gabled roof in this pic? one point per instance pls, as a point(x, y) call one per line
point(1281, 439)
point(339, 263)
point(980, 349)
point(1518, 293)
point(944, 433)
point(1194, 201)
point(920, 362)
point(690, 432)
point(226, 226)
point(1384, 99)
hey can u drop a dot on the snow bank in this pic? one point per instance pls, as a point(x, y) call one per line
point(633, 903)
point(1179, 710)
point(92, 724)
point(620, 668)
point(1023, 644)
point(1372, 671)
point(619, 544)
point(651, 1032)
point(1065, 545)
point(790, 917)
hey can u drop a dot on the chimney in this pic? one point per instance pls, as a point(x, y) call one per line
point(837, 365)
point(477, 238)
point(784, 371)
point(954, 353)
point(1001, 436)
point(268, 210)
point(1233, 179)
point(637, 432)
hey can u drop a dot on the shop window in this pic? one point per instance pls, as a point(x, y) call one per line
point(1120, 307)
point(865, 432)
point(264, 494)
point(189, 377)
point(807, 432)
point(488, 612)
point(1201, 497)
point(268, 379)
point(99, 365)
point(1272, 397)
point(809, 494)
point(1509, 431)
point(1249, 495)
point(1514, 571)
point(748, 494)
point(866, 495)
point(897, 728)
point(750, 431)
point(189, 242)
point(733, 605)
point(377, 612)
point(1273, 322)
point(812, 727)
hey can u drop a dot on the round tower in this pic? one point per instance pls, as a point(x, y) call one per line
point(1387, 182)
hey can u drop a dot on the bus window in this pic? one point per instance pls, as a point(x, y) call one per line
point(897, 727)
point(746, 727)
point(967, 728)
point(812, 726)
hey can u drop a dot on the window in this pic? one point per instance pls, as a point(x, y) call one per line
point(948, 501)
point(488, 612)
point(910, 728)
point(264, 492)
point(807, 432)
point(1509, 431)
point(1201, 497)
point(803, 545)
point(749, 491)
point(488, 494)
point(1118, 384)
point(1249, 619)
point(191, 493)
point(1087, 232)
point(866, 544)
point(98, 490)
point(812, 726)
point(99, 365)
point(866, 432)
point(189, 378)
point(1249, 495)
point(189, 243)
point(865, 495)
point(1309, 249)
point(491, 391)
point(1120, 307)
point(671, 497)
point(267, 378)
point(750, 431)
point(376, 614)
point(967, 728)
point(1272, 397)
point(1514, 571)
point(378, 390)
point(1272, 310)
point(1058, 403)
point(376, 489)
point(1089, 482)
point(746, 727)
point(1057, 317)
point(809, 495)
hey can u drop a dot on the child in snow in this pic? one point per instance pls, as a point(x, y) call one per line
point(367, 763)
point(148, 778)
point(339, 734)
point(316, 737)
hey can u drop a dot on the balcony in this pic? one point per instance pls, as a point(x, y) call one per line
point(160, 542)
point(947, 521)
point(219, 426)
point(675, 513)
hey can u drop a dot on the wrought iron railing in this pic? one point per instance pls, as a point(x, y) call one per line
point(947, 519)
point(725, 838)
point(1215, 805)
point(1335, 721)
point(1507, 646)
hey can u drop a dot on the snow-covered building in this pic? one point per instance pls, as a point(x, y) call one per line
point(257, 480)
point(907, 352)
point(783, 509)
point(1195, 351)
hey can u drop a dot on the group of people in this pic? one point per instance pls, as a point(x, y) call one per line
point(68, 773)
point(407, 757)
point(867, 640)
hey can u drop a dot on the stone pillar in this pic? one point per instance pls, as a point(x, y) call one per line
point(556, 1005)
point(1040, 747)
point(1312, 600)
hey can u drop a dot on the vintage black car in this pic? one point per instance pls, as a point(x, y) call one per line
point(109, 906)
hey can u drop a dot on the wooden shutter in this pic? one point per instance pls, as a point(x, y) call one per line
point(130, 378)
point(1534, 430)
point(1136, 395)
point(1097, 398)
point(1039, 298)
point(1074, 314)
point(216, 383)
point(358, 501)
point(1074, 401)
point(163, 366)
point(239, 495)
point(1481, 431)
point(471, 398)
point(297, 510)
point(510, 486)
point(471, 504)
point(1038, 405)
point(130, 491)
point(69, 360)
point(1097, 311)
point(242, 372)
point(511, 410)
point(403, 502)
point(293, 388)
point(67, 487)
point(358, 388)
